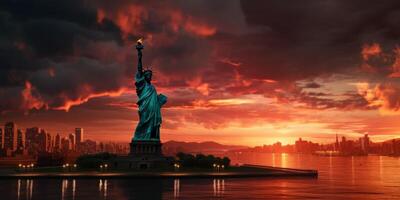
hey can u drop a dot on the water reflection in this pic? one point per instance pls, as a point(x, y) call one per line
point(103, 183)
point(219, 187)
point(64, 187)
point(273, 160)
point(380, 167)
point(142, 188)
point(352, 171)
point(28, 189)
point(73, 189)
point(284, 161)
point(371, 177)
point(18, 188)
point(177, 186)
point(330, 168)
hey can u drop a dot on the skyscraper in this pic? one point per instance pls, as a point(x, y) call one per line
point(42, 141)
point(20, 140)
point(364, 142)
point(49, 146)
point(72, 141)
point(65, 145)
point(337, 143)
point(32, 138)
point(78, 136)
point(10, 136)
point(57, 143)
point(1, 138)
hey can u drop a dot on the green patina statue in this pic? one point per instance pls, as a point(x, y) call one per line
point(148, 128)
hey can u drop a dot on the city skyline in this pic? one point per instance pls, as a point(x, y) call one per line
point(79, 131)
point(36, 142)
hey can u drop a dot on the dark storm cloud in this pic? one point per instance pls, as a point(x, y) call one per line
point(71, 51)
point(44, 44)
point(310, 38)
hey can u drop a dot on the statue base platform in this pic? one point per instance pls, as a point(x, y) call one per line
point(143, 155)
point(141, 148)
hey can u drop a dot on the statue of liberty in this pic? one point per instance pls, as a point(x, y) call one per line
point(148, 128)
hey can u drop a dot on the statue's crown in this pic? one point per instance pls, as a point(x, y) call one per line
point(147, 71)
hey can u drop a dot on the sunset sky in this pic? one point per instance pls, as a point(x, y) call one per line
point(235, 72)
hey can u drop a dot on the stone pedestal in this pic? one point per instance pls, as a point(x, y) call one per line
point(143, 155)
point(145, 148)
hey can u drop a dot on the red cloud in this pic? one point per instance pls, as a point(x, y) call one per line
point(369, 50)
point(30, 101)
point(385, 96)
point(86, 94)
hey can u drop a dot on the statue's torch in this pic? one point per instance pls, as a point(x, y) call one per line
point(139, 45)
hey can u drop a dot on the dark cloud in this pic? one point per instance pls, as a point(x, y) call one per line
point(310, 38)
point(71, 51)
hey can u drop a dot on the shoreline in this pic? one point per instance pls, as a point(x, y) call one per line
point(250, 171)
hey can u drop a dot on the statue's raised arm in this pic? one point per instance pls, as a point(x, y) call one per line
point(139, 48)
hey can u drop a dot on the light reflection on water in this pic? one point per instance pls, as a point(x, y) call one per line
point(219, 187)
point(372, 177)
point(24, 188)
point(177, 186)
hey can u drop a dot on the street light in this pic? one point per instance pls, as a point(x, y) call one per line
point(218, 167)
point(177, 166)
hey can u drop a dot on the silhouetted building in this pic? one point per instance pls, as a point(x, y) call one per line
point(1, 139)
point(337, 143)
point(65, 145)
point(302, 146)
point(49, 146)
point(32, 138)
point(72, 141)
point(20, 140)
point(42, 141)
point(395, 150)
point(78, 136)
point(57, 143)
point(88, 147)
point(10, 137)
point(364, 143)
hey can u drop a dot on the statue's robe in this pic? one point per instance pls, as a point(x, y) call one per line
point(149, 104)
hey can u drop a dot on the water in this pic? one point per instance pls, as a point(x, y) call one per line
point(372, 177)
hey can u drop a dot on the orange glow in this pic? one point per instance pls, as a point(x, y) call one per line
point(383, 96)
point(199, 28)
point(100, 15)
point(370, 50)
point(29, 100)
point(69, 102)
point(396, 65)
point(226, 102)
point(202, 88)
point(130, 17)
point(189, 24)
